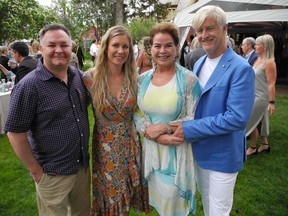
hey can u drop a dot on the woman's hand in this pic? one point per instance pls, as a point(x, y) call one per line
point(155, 130)
point(169, 139)
point(271, 108)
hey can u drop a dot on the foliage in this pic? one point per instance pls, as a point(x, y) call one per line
point(22, 19)
point(67, 14)
point(147, 9)
point(140, 28)
point(104, 14)
point(97, 13)
point(261, 188)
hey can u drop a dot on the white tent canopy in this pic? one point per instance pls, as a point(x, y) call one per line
point(239, 11)
point(242, 15)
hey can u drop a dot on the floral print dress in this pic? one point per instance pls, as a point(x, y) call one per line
point(116, 157)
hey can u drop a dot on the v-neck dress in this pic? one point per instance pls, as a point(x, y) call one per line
point(116, 157)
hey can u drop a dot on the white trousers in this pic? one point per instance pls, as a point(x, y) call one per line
point(216, 190)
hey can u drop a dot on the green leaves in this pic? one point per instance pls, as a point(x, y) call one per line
point(21, 19)
point(140, 27)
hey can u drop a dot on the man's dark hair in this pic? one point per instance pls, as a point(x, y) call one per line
point(20, 47)
point(52, 27)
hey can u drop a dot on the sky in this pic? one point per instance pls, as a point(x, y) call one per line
point(45, 2)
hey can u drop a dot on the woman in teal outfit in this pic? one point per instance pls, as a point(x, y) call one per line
point(168, 92)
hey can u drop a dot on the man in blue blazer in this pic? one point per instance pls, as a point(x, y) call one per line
point(247, 47)
point(217, 133)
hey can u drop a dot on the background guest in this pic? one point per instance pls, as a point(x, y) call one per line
point(196, 52)
point(74, 59)
point(183, 52)
point(20, 52)
point(144, 62)
point(136, 50)
point(4, 62)
point(265, 72)
point(94, 51)
point(247, 47)
point(79, 54)
point(36, 52)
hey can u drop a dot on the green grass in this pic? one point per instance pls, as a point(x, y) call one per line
point(261, 188)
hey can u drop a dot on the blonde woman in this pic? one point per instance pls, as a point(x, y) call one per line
point(265, 74)
point(36, 52)
point(116, 153)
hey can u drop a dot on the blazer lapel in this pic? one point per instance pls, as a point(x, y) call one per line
point(218, 72)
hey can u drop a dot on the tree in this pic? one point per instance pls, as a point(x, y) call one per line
point(149, 9)
point(97, 13)
point(119, 12)
point(67, 16)
point(140, 28)
point(107, 13)
point(22, 19)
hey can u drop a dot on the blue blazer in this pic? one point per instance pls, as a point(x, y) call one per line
point(218, 131)
point(252, 58)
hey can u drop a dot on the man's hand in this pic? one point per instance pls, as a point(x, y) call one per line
point(177, 129)
point(20, 144)
point(37, 175)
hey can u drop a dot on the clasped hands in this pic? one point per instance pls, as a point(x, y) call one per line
point(159, 133)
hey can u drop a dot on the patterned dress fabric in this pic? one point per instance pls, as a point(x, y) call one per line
point(116, 157)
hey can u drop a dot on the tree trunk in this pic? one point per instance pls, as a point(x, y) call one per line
point(119, 12)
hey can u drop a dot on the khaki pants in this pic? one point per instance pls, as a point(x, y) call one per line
point(64, 195)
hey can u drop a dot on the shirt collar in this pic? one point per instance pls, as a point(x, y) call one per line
point(44, 73)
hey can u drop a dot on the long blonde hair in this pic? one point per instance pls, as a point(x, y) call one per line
point(100, 82)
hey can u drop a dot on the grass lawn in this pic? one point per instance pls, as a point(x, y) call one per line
point(261, 188)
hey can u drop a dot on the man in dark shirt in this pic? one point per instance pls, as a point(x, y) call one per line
point(48, 127)
point(20, 52)
point(4, 62)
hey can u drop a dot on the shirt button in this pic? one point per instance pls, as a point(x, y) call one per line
point(78, 120)
point(82, 135)
point(73, 105)
point(77, 161)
